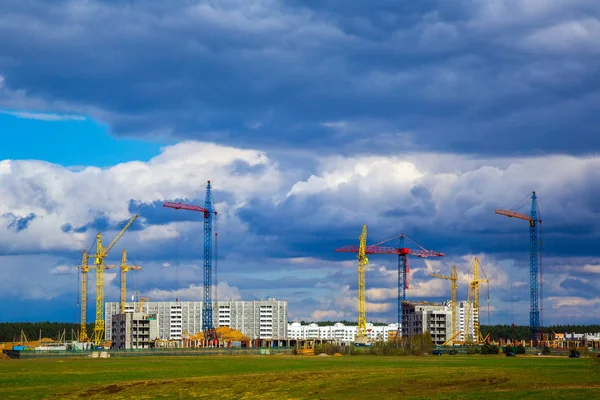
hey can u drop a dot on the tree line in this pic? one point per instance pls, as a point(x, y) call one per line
point(522, 332)
point(415, 345)
point(10, 331)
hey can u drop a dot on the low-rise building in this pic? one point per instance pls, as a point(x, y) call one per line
point(339, 332)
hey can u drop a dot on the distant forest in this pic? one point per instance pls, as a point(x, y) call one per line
point(523, 332)
point(10, 331)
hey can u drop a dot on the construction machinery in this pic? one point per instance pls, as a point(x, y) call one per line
point(124, 269)
point(101, 253)
point(83, 336)
point(361, 332)
point(141, 302)
point(473, 300)
point(454, 285)
point(452, 340)
point(208, 211)
point(534, 265)
point(403, 265)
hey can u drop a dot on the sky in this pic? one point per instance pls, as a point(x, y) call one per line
point(310, 118)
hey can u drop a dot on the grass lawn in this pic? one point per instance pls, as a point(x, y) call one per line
point(293, 377)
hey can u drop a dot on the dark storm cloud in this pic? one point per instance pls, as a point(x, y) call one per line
point(460, 76)
point(101, 223)
point(17, 223)
point(580, 287)
point(423, 207)
point(312, 226)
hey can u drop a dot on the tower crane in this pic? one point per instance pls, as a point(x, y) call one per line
point(363, 261)
point(207, 306)
point(534, 254)
point(453, 279)
point(101, 253)
point(141, 301)
point(85, 268)
point(124, 269)
point(83, 336)
point(473, 298)
point(403, 265)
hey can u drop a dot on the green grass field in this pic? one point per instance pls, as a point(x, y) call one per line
point(289, 377)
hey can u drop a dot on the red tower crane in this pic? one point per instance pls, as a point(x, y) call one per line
point(403, 264)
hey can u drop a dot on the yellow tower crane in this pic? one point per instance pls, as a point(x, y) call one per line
point(124, 269)
point(141, 301)
point(453, 279)
point(363, 261)
point(141, 304)
point(473, 298)
point(101, 253)
point(83, 336)
point(85, 268)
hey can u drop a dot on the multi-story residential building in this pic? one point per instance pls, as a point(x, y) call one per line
point(464, 310)
point(421, 317)
point(339, 332)
point(255, 319)
point(133, 330)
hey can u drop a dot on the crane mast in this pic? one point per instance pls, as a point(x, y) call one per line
point(141, 304)
point(207, 306)
point(124, 269)
point(403, 265)
point(83, 336)
point(208, 211)
point(403, 282)
point(363, 261)
point(101, 253)
point(453, 279)
point(534, 313)
point(474, 300)
point(99, 324)
point(534, 253)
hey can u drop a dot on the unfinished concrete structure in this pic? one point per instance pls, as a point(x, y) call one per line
point(420, 317)
point(134, 330)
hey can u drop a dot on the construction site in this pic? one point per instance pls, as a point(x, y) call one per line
point(209, 323)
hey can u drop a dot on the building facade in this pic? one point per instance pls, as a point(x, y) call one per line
point(464, 309)
point(255, 319)
point(133, 330)
point(339, 332)
point(421, 317)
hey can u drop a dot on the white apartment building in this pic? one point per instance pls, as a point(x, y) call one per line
point(464, 309)
point(338, 332)
point(255, 319)
point(421, 317)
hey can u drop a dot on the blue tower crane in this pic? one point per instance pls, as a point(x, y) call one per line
point(207, 312)
point(403, 265)
point(534, 270)
point(402, 281)
point(208, 211)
